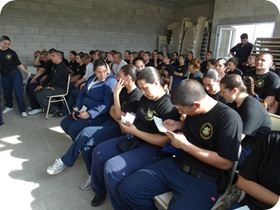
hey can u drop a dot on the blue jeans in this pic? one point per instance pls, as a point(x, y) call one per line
point(10, 82)
point(1, 119)
point(74, 127)
point(88, 139)
point(110, 166)
point(137, 190)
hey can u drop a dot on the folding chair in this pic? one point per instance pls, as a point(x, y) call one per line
point(58, 98)
point(223, 201)
point(275, 119)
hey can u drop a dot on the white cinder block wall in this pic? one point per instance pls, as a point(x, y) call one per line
point(244, 11)
point(84, 25)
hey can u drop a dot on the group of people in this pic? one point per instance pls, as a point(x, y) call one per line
point(209, 110)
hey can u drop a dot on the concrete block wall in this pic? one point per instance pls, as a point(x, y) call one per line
point(228, 12)
point(196, 9)
point(83, 25)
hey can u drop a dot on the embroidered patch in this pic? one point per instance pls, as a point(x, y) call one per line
point(206, 131)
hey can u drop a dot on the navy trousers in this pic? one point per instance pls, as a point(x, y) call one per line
point(10, 82)
point(74, 127)
point(137, 190)
point(110, 166)
point(88, 139)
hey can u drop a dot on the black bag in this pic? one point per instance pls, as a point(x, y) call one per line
point(129, 144)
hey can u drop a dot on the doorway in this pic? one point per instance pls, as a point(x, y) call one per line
point(229, 35)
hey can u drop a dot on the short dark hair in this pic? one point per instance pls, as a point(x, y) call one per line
point(244, 36)
point(73, 52)
point(137, 59)
point(4, 37)
point(187, 92)
point(233, 60)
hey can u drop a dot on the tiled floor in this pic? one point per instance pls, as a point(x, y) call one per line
point(27, 147)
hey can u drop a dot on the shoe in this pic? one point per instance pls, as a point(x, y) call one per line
point(98, 199)
point(58, 114)
point(35, 111)
point(24, 114)
point(2, 125)
point(56, 168)
point(86, 185)
point(7, 109)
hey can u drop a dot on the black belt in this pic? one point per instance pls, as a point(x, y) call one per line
point(200, 175)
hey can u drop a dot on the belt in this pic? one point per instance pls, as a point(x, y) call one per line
point(200, 175)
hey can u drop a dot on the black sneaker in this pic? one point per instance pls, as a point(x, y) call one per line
point(98, 199)
point(59, 114)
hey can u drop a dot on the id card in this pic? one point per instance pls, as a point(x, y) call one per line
point(128, 118)
point(160, 126)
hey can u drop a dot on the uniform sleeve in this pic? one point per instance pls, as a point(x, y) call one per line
point(229, 136)
point(104, 107)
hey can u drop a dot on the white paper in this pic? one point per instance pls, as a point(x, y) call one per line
point(159, 124)
point(128, 118)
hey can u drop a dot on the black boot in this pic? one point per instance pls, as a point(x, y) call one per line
point(98, 199)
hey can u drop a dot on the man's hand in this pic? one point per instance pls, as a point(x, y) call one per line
point(170, 125)
point(43, 78)
point(177, 140)
point(49, 88)
point(38, 88)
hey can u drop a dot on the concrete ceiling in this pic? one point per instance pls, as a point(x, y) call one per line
point(181, 2)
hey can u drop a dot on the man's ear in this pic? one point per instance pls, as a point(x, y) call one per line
point(197, 104)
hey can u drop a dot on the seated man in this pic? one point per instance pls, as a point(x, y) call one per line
point(266, 82)
point(55, 83)
point(209, 143)
point(259, 177)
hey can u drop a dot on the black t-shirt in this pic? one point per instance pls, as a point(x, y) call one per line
point(147, 109)
point(235, 71)
point(73, 65)
point(197, 76)
point(8, 61)
point(129, 101)
point(182, 69)
point(81, 70)
point(48, 67)
point(217, 130)
point(242, 53)
point(169, 68)
point(256, 121)
point(58, 76)
point(218, 97)
point(265, 84)
point(150, 63)
point(262, 167)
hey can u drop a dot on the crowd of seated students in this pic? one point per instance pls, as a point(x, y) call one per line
point(115, 151)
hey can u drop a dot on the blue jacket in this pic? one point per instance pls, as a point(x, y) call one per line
point(99, 98)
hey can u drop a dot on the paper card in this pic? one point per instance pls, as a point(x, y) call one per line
point(160, 126)
point(128, 118)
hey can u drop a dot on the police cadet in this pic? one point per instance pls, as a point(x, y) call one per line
point(210, 141)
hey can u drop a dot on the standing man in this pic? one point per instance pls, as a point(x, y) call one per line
point(209, 144)
point(266, 82)
point(242, 50)
point(55, 83)
point(12, 80)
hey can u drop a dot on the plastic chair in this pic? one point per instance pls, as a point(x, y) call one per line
point(59, 98)
point(275, 119)
point(223, 201)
